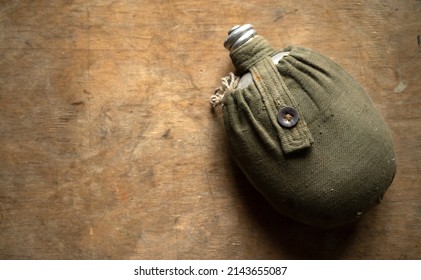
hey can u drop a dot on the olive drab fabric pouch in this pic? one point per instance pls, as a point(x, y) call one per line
point(304, 132)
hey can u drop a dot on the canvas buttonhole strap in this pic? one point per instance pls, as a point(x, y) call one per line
point(276, 95)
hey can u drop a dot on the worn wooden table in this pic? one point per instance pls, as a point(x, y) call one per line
point(109, 149)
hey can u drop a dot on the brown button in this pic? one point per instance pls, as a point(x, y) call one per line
point(288, 117)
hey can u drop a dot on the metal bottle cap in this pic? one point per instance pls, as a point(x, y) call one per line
point(238, 35)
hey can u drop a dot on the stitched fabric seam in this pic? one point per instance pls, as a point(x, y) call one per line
point(292, 138)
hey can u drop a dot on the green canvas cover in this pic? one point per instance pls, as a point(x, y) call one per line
point(335, 163)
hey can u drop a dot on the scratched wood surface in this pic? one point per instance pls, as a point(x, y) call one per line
point(109, 149)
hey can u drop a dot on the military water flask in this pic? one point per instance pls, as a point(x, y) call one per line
point(303, 131)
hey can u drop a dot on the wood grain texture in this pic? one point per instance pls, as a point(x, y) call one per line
point(109, 149)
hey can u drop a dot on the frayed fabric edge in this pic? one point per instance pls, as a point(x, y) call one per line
point(229, 82)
